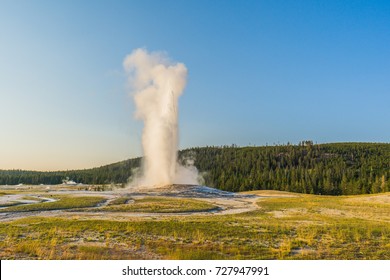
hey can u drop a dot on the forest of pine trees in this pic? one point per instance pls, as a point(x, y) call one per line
point(331, 169)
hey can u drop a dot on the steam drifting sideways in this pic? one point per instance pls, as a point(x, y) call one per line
point(156, 84)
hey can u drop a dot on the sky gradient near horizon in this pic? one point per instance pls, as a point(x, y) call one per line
point(259, 72)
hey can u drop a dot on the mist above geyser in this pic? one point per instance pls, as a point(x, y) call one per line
point(156, 84)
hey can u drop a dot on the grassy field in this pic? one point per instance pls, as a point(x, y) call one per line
point(63, 202)
point(157, 205)
point(301, 227)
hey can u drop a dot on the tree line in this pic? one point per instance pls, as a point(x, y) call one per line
point(331, 169)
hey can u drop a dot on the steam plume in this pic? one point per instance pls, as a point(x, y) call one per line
point(156, 84)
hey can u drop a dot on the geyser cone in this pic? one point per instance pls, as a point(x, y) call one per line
point(186, 190)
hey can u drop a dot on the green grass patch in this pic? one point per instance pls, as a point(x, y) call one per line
point(161, 205)
point(34, 198)
point(119, 200)
point(10, 203)
point(63, 202)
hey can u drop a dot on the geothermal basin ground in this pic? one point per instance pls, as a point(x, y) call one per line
point(189, 222)
point(92, 201)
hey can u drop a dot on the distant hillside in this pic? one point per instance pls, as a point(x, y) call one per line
point(334, 169)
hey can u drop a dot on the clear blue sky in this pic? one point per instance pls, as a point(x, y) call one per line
point(259, 72)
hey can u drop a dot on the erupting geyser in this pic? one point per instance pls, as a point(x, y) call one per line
point(156, 84)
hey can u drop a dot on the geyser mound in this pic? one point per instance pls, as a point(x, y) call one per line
point(186, 191)
point(156, 84)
